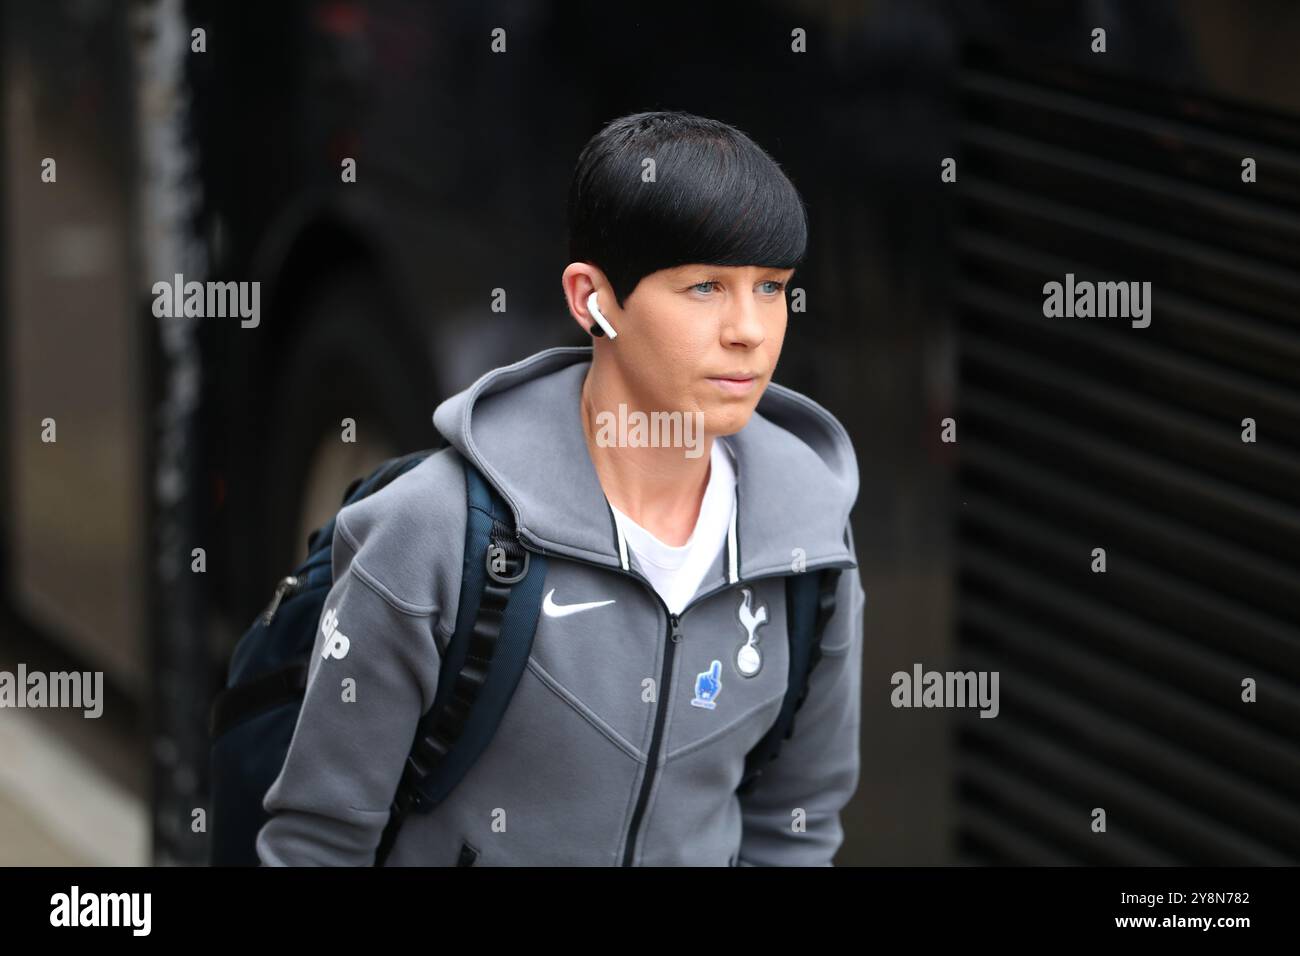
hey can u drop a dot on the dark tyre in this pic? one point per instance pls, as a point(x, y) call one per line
point(349, 362)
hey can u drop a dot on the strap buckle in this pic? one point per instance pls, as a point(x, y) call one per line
point(493, 551)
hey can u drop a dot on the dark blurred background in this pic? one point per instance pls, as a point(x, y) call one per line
point(1120, 690)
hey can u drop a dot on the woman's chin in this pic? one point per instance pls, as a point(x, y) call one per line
point(728, 419)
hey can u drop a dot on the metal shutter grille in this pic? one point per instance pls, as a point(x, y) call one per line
point(1122, 690)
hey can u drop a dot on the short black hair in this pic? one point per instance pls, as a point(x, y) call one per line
point(717, 198)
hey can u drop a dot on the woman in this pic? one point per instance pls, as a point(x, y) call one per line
point(660, 657)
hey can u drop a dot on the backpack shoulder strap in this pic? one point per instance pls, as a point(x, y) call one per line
point(809, 604)
point(500, 597)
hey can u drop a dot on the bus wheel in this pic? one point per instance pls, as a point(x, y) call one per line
point(348, 398)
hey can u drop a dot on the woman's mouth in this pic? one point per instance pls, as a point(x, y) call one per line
point(734, 384)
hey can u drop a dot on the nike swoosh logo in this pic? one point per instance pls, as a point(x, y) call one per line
point(564, 610)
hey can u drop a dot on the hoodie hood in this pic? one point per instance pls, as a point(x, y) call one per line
point(521, 426)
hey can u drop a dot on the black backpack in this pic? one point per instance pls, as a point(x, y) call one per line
point(253, 718)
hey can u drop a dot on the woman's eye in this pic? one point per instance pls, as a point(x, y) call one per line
point(780, 286)
point(710, 282)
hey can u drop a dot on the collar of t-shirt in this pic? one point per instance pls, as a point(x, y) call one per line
point(676, 572)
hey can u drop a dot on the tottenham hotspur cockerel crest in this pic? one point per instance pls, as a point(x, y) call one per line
point(749, 659)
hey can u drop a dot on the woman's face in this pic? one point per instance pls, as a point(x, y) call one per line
point(700, 338)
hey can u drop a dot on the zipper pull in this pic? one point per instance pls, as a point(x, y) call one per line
point(677, 628)
point(284, 587)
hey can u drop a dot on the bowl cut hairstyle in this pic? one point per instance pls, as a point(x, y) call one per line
point(716, 197)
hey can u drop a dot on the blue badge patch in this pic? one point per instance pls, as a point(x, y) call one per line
point(707, 685)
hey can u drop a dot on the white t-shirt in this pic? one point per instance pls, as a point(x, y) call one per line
point(676, 572)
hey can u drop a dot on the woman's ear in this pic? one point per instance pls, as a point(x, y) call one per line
point(581, 282)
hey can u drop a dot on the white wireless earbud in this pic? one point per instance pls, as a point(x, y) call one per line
point(602, 322)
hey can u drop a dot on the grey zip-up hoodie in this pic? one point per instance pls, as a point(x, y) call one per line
point(609, 752)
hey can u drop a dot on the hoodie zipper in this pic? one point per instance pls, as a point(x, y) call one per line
point(675, 636)
point(652, 759)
